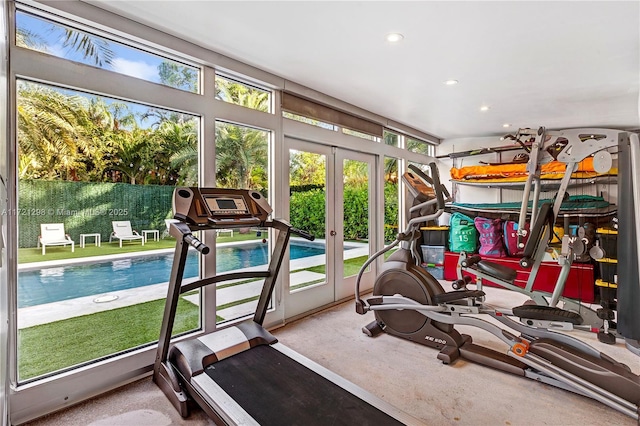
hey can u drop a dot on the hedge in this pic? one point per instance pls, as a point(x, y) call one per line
point(91, 207)
point(307, 212)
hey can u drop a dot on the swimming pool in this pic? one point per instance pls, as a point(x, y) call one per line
point(53, 284)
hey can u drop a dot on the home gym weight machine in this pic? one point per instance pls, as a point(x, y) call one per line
point(571, 147)
point(241, 374)
point(409, 303)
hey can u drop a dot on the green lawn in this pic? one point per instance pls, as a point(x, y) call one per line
point(351, 266)
point(49, 347)
point(76, 340)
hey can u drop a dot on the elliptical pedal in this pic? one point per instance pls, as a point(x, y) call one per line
point(606, 338)
point(546, 313)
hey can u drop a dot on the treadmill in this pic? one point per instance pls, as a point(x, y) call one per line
point(241, 375)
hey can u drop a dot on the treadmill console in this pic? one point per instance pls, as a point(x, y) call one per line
point(226, 205)
point(220, 207)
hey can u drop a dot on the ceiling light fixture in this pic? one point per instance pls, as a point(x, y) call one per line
point(484, 108)
point(394, 37)
point(451, 82)
point(506, 125)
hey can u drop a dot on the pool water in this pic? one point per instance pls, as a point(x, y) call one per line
point(46, 285)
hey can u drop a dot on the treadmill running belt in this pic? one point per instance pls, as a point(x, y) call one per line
point(276, 390)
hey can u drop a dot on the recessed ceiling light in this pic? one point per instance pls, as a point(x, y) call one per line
point(506, 125)
point(484, 108)
point(394, 37)
point(451, 82)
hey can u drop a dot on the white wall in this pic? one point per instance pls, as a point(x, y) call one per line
point(468, 194)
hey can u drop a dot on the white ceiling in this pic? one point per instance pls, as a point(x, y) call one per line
point(553, 64)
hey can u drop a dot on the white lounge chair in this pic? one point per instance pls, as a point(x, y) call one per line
point(123, 232)
point(52, 234)
point(224, 231)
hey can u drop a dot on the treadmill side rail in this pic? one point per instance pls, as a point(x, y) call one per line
point(224, 407)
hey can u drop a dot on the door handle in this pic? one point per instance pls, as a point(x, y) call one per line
point(332, 233)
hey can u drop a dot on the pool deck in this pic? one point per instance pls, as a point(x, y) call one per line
point(56, 311)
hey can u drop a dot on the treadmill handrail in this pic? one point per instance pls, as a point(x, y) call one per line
point(182, 232)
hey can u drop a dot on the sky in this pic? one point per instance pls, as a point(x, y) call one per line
point(126, 60)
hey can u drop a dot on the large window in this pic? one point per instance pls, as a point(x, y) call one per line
point(392, 139)
point(308, 120)
point(87, 164)
point(242, 94)
point(242, 161)
point(97, 148)
point(70, 43)
point(361, 135)
point(421, 147)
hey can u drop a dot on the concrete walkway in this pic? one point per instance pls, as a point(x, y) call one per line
point(56, 311)
point(247, 290)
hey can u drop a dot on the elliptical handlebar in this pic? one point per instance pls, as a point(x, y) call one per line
point(440, 190)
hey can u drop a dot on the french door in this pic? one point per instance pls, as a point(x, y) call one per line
point(332, 194)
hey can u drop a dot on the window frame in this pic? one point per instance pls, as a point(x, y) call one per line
point(84, 382)
point(231, 79)
point(109, 36)
point(79, 383)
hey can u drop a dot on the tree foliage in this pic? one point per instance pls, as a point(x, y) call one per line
point(241, 152)
point(91, 47)
point(179, 76)
point(67, 136)
point(307, 168)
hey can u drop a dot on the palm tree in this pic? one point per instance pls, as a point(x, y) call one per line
point(178, 76)
point(241, 94)
point(307, 168)
point(134, 155)
point(91, 47)
point(355, 172)
point(51, 131)
point(239, 151)
point(180, 138)
point(52, 126)
point(186, 162)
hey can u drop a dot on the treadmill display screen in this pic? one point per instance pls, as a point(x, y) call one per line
point(226, 205)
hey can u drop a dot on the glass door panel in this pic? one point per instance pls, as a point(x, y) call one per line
point(331, 193)
point(354, 224)
point(355, 217)
point(307, 205)
point(310, 201)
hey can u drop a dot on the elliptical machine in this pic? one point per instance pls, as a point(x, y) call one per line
point(410, 303)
